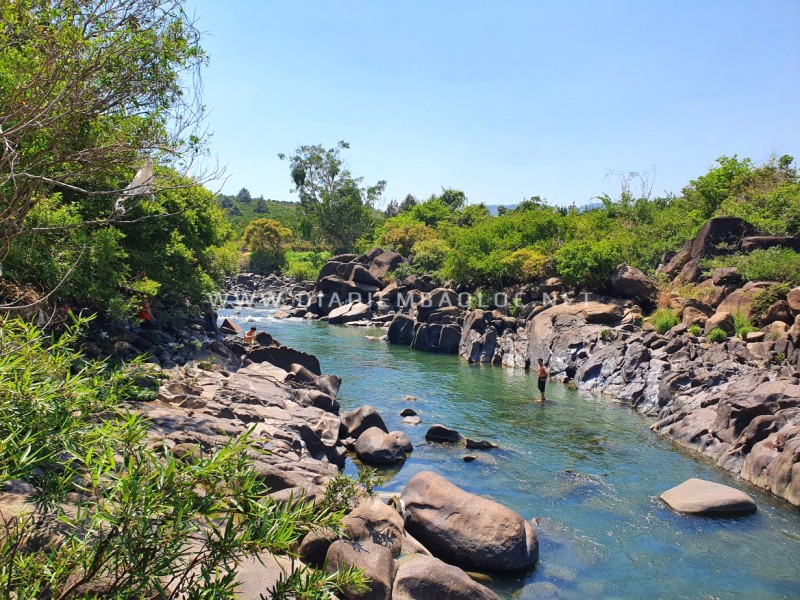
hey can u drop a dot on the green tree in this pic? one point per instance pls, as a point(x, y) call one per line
point(87, 90)
point(336, 206)
point(266, 239)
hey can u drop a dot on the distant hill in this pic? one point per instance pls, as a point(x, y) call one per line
point(242, 208)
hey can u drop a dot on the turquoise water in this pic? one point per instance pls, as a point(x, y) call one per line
point(588, 469)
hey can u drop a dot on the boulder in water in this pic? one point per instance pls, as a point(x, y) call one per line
point(467, 530)
point(428, 577)
point(700, 497)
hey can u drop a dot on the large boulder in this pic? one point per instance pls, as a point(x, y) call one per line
point(465, 529)
point(359, 274)
point(721, 320)
point(434, 301)
point(348, 313)
point(375, 521)
point(629, 282)
point(385, 263)
point(762, 242)
point(376, 447)
point(721, 232)
point(793, 300)
point(428, 577)
point(401, 330)
point(355, 422)
point(284, 357)
point(700, 497)
point(375, 561)
point(742, 298)
point(229, 327)
point(443, 434)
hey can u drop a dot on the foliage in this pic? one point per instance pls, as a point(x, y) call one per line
point(335, 207)
point(266, 239)
point(717, 335)
point(695, 330)
point(240, 213)
point(145, 517)
point(402, 233)
point(664, 319)
point(430, 255)
point(181, 256)
point(524, 264)
point(586, 264)
point(305, 266)
point(87, 91)
point(767, 297)
point(742, 324)
point(772, 264)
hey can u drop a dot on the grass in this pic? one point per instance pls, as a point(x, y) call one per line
point(717, 335)
point(664, 319)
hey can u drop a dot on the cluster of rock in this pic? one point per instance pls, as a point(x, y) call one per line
point(279, 392)
point(418, 545)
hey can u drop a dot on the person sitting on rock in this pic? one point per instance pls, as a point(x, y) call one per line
point(543, 375)
point(250, 336)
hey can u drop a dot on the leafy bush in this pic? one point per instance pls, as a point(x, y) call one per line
point(767, 297)
point(145, 516)
point(401, 234)
point(717, 335)
point(302, 271)
point(430, 255)
point(524, 265)
point(586, 264)
point(742, 324)
point(695, 330)
point(664, 319)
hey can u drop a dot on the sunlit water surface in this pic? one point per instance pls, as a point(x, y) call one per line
point(589, 469)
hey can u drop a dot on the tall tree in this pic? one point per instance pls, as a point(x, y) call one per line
point(87, 91)
point(336, 206)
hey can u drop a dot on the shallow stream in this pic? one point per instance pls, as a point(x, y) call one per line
point(588, 468)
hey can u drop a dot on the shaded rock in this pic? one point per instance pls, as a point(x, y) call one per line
point(726, 276)
point(347, 313)
point(700, 497)
point(229, 327)
point(436, 300)
point(408, 412)
point(778, 311)
point(630, 282)
point(315, 545)
point(401, 439)
point(385, 263)
point(375, 561)
point(284, 357)
point(793, 300)
point(376, 447)
point(762, 242)
point(401, 330)
point(444, 434)
point(355, 422)
point(375, 521)
point(465, 529)
point(426, 577)
point(722, 320)
point(480, 444)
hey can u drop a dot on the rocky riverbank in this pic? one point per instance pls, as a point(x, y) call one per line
point(734, 400)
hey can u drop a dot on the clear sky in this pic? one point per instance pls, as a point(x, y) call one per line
point(503, 100)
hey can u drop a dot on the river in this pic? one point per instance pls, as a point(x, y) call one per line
point(590, 470)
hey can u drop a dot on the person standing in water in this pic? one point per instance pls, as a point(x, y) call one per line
point(543, 373)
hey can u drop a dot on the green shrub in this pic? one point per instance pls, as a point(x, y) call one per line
point(606, 335)
point(430, 255)
point(302, 271)
point(742, 324)
point(767, 297)
point(664, 319)
point(695, 330)
point(772, 264)
point(586, 264)
point(146, 516)
point(717, 335)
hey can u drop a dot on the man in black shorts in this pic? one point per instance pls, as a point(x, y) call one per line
point(543, 373)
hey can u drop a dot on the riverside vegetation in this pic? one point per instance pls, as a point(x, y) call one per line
point(105, 495)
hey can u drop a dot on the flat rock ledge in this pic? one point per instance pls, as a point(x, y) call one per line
point(700, 497)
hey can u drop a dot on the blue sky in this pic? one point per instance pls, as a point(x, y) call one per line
point(503, 100)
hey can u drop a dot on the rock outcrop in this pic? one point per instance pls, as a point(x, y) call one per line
point(465, 529)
